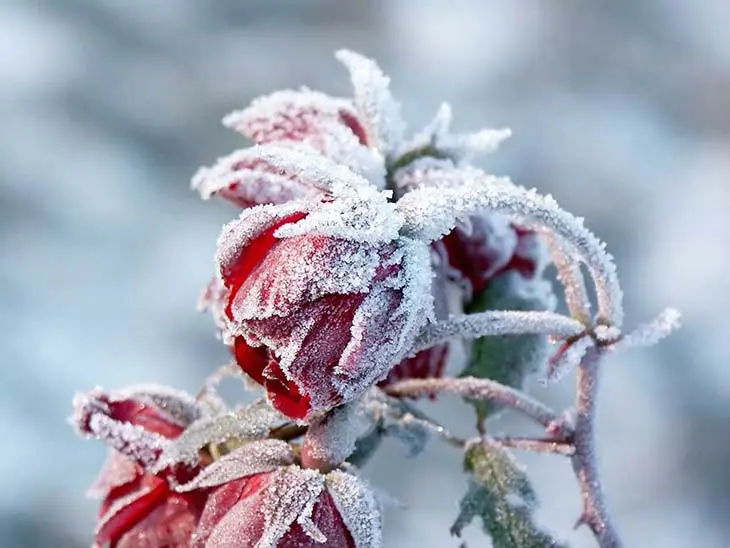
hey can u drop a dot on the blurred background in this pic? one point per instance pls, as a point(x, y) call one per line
point(619, 109)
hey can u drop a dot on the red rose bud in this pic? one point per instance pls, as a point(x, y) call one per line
point(139, 508)
point(260, 498)
point(494, 246)
point(303, 120)
point(296, 116)
point(316, 318)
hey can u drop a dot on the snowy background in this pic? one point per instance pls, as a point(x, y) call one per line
point(620, 109)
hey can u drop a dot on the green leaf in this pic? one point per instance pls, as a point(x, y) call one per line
point(508, 358)
point(501, 496)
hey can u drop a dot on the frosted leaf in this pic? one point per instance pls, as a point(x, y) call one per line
point(509, 358)
point(567, 358)
point(117, 470)
point(412, 432)
point(289, 497)
point(377, 111)
point(361, 219)
point(307, 165)
point(91, 420)
point(253, 421)
point(501, 496)
point(358, 507)
point(398, 419)
point(371, 353)
point(436, 140)
point(431, 212)
point(246, 179)
point(252, 458)
point(652, 332)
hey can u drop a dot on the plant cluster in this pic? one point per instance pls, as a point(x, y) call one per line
point(360, 261)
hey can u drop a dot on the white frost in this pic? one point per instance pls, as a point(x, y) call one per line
point(377, 109)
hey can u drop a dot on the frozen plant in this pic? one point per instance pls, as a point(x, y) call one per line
point(359, 258)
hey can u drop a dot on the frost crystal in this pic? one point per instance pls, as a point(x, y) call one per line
point(290, 497)
point(377, 109)
point(358, 507)
point(436, 140)
point(246, 179)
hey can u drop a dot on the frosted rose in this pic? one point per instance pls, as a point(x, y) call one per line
point(138, 508)
point(261, 499)
point(316, 319)
point(493, 246)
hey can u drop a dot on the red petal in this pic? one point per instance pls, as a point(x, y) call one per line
point(223, 499)
point(169, 525)
point(146, 416)
point(351, 121)
point(426, 364)
point(114, 526)
point(251, 359)
point(284, 394)
point(236, 271)
point(328, 520)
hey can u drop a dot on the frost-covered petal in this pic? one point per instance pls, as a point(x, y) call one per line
point(299, 263)
point(117, 471)
point(244, 242)
point(377, 110)
point(326, 124)
point(290, 115)
point(358, 507)
point(245, 179)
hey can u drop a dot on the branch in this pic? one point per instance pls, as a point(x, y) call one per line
point(497, 322)
point(537, 445)
point(595, 514)
point(479, 389)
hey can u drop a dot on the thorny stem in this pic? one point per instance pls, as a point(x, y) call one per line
point(498, 322)
point(595, 514)
point(537, 445)
point(571, 277)
point(476, 388)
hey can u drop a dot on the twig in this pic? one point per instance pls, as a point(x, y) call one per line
point(537, 445)
point(571, 277)
point(595, 514)
point(498, 322)
point(476, 388)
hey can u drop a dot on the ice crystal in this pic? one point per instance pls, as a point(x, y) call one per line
point(376, 108)
point(246, 179)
